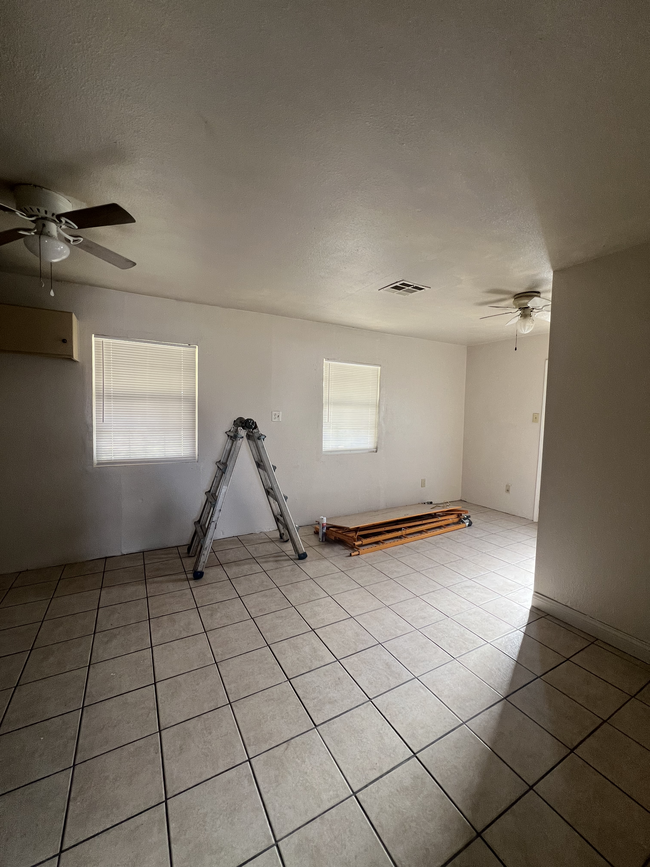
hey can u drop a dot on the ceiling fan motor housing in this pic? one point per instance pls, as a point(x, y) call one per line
point(37, 202)
point(42, 207)
point(523, 299)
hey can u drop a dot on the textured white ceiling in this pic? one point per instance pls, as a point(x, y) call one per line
point(292, 156)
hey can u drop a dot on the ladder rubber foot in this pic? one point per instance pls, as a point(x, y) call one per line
point(197, 575)
point(302, 556)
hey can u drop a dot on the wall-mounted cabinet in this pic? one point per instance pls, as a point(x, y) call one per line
point(36, 331)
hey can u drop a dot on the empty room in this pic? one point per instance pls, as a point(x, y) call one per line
point(324, 458)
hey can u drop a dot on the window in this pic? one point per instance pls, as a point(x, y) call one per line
point(350, 407)
point(144, 401)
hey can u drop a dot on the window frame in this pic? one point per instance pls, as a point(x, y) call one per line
point(143, 461)
point(379, 380)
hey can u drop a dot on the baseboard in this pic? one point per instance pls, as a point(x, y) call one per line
point(628, 643)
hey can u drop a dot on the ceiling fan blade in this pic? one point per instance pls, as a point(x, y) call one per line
point(9, 210)
point(104, 253)
point(100, 215)
point(487, 302)
point(543, 314)
point(493, 315)
point(502, 307)
point(536, 303)
point(9, 236)
point(513, 320)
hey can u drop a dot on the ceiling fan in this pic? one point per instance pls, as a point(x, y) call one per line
point(53, 218)
point(529, 306)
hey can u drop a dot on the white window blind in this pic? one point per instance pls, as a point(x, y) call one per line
point(350, 407)
point(145, 401)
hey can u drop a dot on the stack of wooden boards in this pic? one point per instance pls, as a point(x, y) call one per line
point(374, 531)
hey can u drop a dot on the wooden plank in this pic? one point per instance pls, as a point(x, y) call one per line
point(379, 536)
point(380, 546)
point(381, 515)
point(407, 526)
point(397, 528)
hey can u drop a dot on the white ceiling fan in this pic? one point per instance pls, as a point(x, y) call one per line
point(529, 307)
point(53, 219)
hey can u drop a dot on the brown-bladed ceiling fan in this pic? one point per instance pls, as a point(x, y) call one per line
point(527, 307)
point(53, 218)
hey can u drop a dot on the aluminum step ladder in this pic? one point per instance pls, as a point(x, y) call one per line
point(205, 527)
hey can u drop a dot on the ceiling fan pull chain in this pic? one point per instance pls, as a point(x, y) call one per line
point(40, 262)
point(51, 289)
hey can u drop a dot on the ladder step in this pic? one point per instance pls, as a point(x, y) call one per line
point(199, 530)
point(222, 465)
point(260, 466)
point(271, 493)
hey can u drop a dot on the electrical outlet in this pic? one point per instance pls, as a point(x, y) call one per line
point(276, 416)
point(423, 483)
point(535, 418)
point(507, 489)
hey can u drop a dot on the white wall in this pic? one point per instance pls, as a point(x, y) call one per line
point(501, 442)
point(593, 553)
point(57, 507)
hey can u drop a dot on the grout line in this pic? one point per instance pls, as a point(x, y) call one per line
point(103, 831)
point(246, 752)
point(29, 652)
point(160, 745)
point(64, 823)
point(460, 852)
point(272, 848)
point(489, 847)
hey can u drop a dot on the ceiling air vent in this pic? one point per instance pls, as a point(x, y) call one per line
point(404, 287)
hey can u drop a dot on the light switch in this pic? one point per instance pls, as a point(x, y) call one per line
point(535, 418)
point(276, 416)
point(423, 483)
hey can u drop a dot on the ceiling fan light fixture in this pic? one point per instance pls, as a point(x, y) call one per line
point(46, 245)
point(526, 322)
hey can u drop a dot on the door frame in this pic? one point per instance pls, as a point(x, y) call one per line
point(542, 417)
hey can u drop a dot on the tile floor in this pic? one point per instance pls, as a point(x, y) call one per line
point(405, 708)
